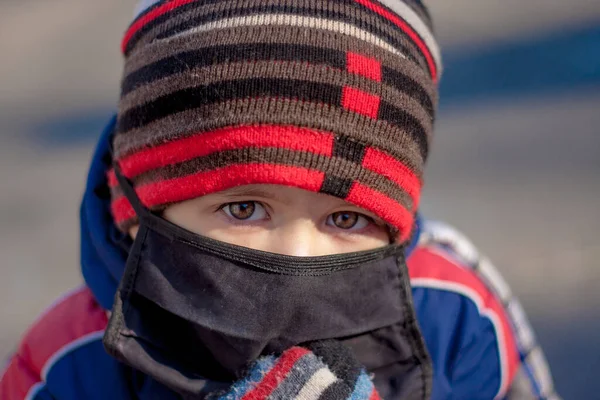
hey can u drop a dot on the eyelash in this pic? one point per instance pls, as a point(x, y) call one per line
point(242, 222)
point(371, 222)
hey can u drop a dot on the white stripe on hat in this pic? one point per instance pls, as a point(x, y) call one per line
point(412, 18)
point(293, 20)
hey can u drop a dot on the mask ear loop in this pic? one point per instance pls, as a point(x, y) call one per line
point(127, 187)
point(149, 219)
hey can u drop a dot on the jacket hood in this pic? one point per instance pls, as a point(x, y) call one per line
point(103, 256)
point(104, 248)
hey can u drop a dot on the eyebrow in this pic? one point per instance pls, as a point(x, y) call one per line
point(243, 191)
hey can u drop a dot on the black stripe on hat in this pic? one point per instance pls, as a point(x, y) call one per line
point(139, 34)
point(403, 119)
point(335, 186)
point(185, 61)
point(403, 83)
point(349, 149)
point(362, 23)
point(195, 97)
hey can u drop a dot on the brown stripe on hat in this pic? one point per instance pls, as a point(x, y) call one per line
point(223, 90)
point(346, 11)
point(273, 34)
point(307, 91)
point(419, 107)
point(228, 54)
point(167, 71)
point(402, 79)
point(378, 134)
point(195, 63)
point(331, 166)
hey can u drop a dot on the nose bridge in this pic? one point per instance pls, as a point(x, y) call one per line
point(297, 237)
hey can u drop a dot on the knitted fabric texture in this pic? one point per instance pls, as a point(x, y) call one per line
point(336, 97)
point(323, 371)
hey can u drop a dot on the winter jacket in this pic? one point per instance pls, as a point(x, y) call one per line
point(476, 332)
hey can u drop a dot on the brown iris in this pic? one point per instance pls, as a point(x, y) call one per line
point(345, 219)
point(243, 210)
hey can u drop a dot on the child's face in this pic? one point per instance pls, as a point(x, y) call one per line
point(281, 219)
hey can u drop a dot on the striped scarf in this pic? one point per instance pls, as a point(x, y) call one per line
point(325, 370)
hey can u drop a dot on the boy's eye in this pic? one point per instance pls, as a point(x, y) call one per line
point(348, 220)
point(245, 210)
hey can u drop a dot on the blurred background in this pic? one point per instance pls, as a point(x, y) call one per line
point(515, 164)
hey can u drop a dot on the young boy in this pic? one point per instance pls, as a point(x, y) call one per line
point(250, 226)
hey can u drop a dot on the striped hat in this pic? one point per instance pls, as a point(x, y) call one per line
point(331, 96)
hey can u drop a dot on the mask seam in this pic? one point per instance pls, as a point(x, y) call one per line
point(298, 270)
point(413, 331)
point(126, 287)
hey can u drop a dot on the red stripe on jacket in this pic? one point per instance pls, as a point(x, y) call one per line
point(432, 268)
point(72, 318)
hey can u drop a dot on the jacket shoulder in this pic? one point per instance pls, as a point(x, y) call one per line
point(71, 322)
point(444, 253)
point(463, 303)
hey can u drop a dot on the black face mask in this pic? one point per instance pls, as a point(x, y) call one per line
point(192, 312)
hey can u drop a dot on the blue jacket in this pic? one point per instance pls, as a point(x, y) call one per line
point(475, 330)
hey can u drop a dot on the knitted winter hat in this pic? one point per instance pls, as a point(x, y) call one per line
point(331, 96)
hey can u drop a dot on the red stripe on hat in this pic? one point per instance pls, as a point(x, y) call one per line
point(362, 65)
point(276, 375)
point(406, 29)
point(231, 138)
point(386, 165)
point(112, 178)
point(360, 102)
point(122, 210)
point(432, 268)
point(202, 183)
point(389, 210)
point(149, 17)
